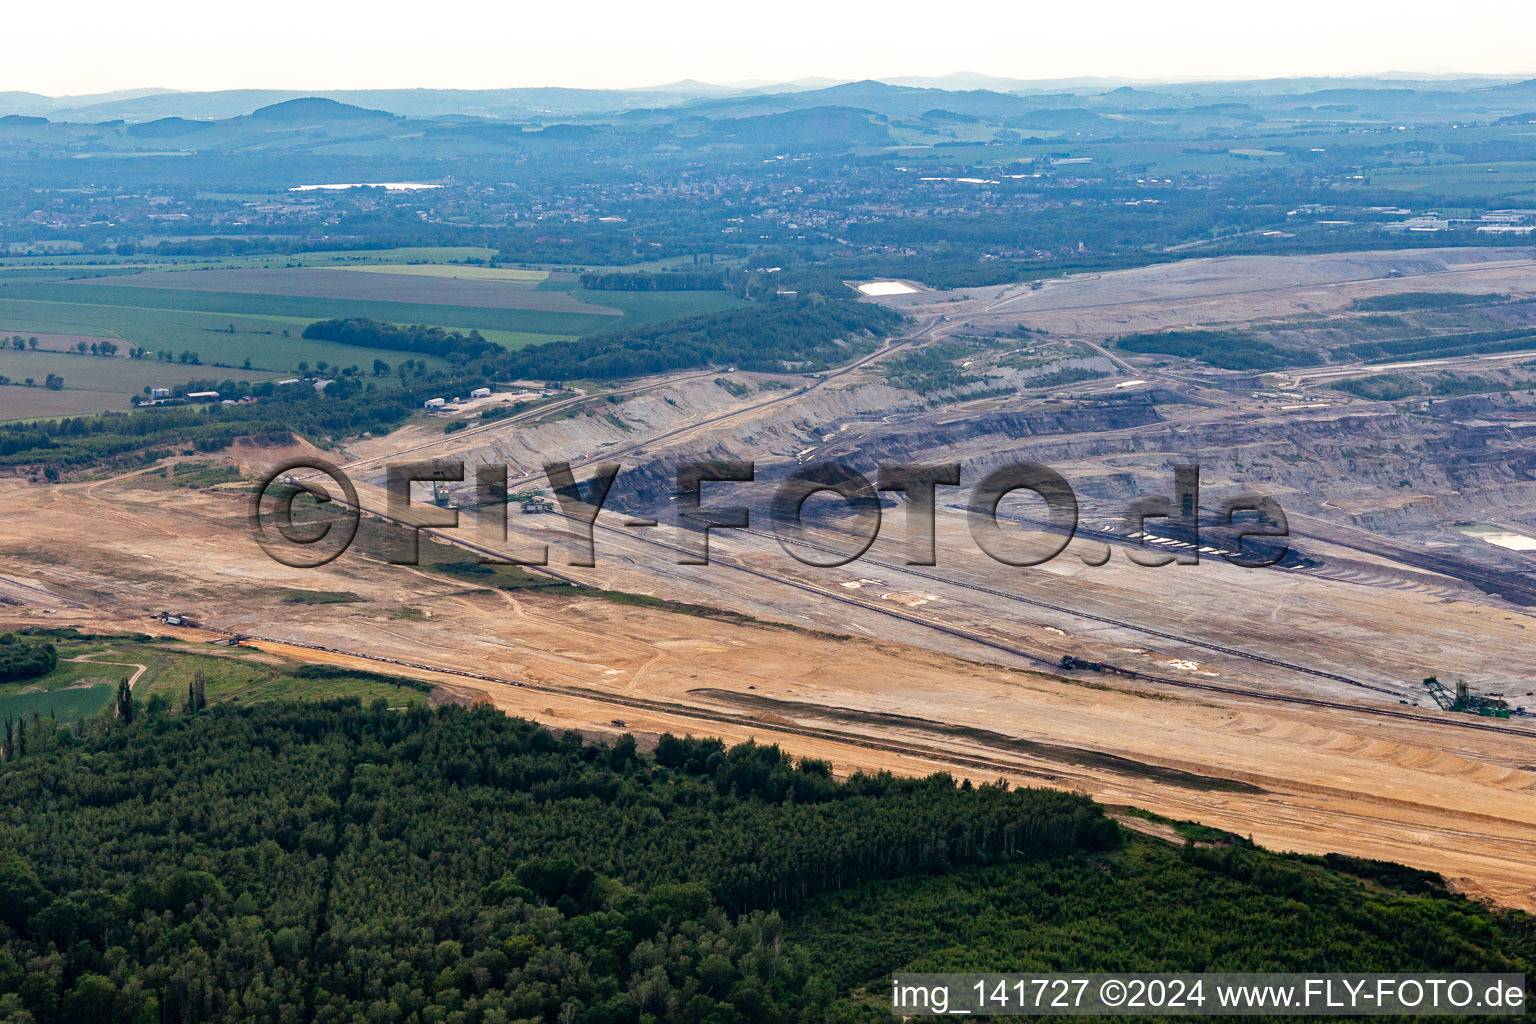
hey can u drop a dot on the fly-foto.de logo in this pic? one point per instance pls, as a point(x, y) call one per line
point(307, 512)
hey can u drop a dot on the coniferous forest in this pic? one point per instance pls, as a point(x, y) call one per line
point(330, 862)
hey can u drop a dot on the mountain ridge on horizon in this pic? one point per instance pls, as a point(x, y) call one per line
point(541, 102)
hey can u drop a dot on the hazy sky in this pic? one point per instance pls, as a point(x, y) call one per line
point(89, 46)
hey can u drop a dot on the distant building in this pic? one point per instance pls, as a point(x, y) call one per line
point(480, 393)
point(1426, 223)
point(434, 403)
point(159, 393)
point(202, 396)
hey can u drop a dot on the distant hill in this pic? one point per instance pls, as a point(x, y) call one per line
point(166, 128)
point(816, 128)
point(1064, 120)
point(310, 109)
point(24, 103)
point(890, 100)
point(964, 93)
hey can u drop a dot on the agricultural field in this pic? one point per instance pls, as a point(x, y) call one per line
point(228, 315)
point(185, 311)
point(66, 703)
point(255, 337)
point(1514, 180)
point(24, 403)
point(64, 265)
point(382, 283)
point(91, 383)
point(455, 271)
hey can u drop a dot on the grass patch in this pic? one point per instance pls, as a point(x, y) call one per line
point(329, 682)
point(201, 473)
point(321, 597)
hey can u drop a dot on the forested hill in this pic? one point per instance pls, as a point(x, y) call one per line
point(335, 863)
point(777, 336)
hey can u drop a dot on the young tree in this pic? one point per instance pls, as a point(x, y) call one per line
point(197, 696)
point(124, 702)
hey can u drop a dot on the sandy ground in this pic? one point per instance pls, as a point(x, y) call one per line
point(1228, 289)
point(1455, 800)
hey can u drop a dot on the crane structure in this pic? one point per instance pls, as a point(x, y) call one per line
point(1463, 700)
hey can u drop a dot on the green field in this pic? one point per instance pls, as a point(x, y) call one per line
point(66, 704)
point(73, 690)
point(88, 263)
point(1515, 180)
point(199, 321)
point(258, 338)
point(80, 688)
point(226, 328)
point(24, 403)
point(62, 265)
point(91, 383)
point(109, 373)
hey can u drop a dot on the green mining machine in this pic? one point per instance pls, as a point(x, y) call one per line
point(1464, 700)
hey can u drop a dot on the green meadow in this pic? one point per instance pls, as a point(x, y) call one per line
point(78, 689)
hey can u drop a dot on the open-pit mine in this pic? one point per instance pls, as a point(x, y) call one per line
point(1286, 702)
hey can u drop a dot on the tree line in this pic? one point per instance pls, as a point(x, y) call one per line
point(25, 659)
point(419, 338)
point(783, 335)
point(667, 281)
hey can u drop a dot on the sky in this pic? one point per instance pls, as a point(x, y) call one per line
point(79, 47)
